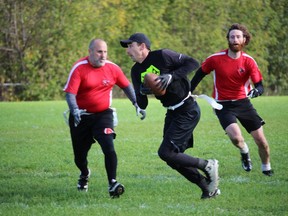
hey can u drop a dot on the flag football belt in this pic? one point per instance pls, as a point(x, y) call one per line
point(115, 118)
point(179, 104)
point(66, 114)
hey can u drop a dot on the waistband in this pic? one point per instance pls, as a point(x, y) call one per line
point(179, 104)
point(232, 101)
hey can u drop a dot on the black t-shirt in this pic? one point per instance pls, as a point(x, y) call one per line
point(160, 62)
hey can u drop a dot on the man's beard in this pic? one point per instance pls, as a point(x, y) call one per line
point(236, 48)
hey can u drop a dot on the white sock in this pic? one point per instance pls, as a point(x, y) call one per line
point(245, 149)
point(266, 167)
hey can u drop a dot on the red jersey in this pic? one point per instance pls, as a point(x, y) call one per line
point(93, 86)
point(231, 76)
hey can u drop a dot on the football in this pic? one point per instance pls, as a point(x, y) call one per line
point(149, 82)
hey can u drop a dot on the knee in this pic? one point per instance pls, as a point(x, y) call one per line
point(162, 154)
point(260, 139)
point(167, 152)
point(262, 144)
point(237, 139)
point(167, 156)
point(106, 143)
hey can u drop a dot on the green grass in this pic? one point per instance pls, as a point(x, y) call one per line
point(38, 175)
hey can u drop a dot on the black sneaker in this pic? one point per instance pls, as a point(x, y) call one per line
point(246, 162)
point(207, 195)
point(116, 189)
point(268, 172)
point(83, 182)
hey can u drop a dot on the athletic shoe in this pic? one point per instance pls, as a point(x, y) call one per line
point(116, 189)
point(207, 195)
point(268, 172)
point(211, 171)
point(83, 182)
point(246, 162)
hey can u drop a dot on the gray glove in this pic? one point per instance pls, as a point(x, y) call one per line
point(164, 80)
point(140, 111)
point(253, 93)
point(77, 115)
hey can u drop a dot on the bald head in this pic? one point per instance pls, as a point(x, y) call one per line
point(97, 52)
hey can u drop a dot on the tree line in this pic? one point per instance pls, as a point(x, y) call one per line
point(40, 40)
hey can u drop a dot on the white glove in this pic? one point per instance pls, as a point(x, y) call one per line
point(140, 111)
point(77, 115)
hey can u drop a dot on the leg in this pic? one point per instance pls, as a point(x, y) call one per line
point(253, 124)
point(263, 147)
point(81, 143)
point(178, 136)
point(192, 174)
point(188, 167)
point(228, 121)
point(110, 156)
point(80, 158)
point(235, 135)
point(106, 142)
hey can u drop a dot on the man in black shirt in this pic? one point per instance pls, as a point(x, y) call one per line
point(183, 112)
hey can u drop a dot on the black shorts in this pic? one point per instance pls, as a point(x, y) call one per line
point(180, 124)
point(91, 126)
point(242, 110)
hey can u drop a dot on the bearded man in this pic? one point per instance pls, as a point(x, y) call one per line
point(235, 73)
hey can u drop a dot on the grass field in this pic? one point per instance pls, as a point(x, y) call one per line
point(38, 175)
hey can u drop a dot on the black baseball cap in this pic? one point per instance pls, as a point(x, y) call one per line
point(137, 37)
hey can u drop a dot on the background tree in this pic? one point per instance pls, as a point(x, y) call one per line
point(40, 40)
point(278, 50)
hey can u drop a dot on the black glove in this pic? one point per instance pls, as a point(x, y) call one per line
point(253, 93)
point(144, 90)
point(164, 81)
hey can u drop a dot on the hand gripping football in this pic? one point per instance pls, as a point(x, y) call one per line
point(149, 82)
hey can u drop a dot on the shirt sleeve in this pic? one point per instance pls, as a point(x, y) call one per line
point(180, 64)
point(73, 82)
point(207, 66)
point(255, 75)
point(122, 81)
point(142, 100)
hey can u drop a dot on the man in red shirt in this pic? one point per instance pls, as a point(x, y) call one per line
point(233, 72)
point(89, 96)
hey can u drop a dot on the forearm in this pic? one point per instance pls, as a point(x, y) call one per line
point(199, 75)
point(189, 65)
point(259, 87)
point(180, 64)
point(129, 91)
point(71, 101)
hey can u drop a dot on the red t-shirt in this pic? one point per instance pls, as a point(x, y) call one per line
point(231, 76)
point(93, 86)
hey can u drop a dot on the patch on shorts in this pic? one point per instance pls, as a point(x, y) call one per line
point(108, 131)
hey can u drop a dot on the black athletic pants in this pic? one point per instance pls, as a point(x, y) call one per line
point(177, 137)
point(95, 127)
